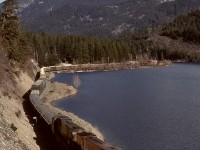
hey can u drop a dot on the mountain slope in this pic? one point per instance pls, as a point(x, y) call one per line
point(180, 38)
point(185, 27)
point(98, 18)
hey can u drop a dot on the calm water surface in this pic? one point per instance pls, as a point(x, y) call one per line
point(144, 109)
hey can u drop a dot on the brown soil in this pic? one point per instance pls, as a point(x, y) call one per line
point(16, 132)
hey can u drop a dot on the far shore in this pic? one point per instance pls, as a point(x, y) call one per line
point(63, 67)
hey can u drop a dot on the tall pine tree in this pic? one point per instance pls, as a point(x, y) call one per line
point(11, 31)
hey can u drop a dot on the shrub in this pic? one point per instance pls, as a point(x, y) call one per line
point(18, 113)
point(13, 127)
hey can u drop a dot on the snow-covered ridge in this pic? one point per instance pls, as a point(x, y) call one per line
point(163, 1)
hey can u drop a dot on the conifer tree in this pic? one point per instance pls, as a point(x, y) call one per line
point(10, 28)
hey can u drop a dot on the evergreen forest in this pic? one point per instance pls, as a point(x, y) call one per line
point(50, 49)
point(186, 27)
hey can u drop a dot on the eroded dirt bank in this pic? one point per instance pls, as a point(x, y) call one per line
point(16, 132)
point(18, 129)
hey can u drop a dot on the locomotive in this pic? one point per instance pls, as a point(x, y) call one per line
point(66, 132)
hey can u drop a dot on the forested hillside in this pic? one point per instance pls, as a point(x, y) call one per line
point(50, 49)
point(186, 27)
point(177, 40)
point(100, 18)
point(181, 37)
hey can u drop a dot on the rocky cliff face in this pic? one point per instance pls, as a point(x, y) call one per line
point(100, 18)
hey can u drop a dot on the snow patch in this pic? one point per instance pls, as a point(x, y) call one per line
point(164, 1)
point(142, 16)
point(41, 2)
point(100, 18)
point(113, 7)
point(86, 18)
point(119, 29)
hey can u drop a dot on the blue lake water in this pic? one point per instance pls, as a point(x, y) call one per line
point(143, 109)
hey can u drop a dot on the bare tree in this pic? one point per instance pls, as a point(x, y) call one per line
point(76, 81)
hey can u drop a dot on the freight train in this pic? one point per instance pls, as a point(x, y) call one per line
point(65, 131)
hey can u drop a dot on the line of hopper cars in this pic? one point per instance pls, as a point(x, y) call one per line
point(65, 131)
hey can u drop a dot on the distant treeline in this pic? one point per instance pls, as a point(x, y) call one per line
point(50, 49)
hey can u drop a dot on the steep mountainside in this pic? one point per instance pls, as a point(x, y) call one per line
point(100, 18)
point(16, 131)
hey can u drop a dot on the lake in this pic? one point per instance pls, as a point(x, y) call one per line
point(143, 109)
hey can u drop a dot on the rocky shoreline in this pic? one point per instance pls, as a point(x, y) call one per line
point(56, 91)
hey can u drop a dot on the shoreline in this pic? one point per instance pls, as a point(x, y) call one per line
point(57, 91)
point(52, 74)
point(60, 91)
point(106, 67)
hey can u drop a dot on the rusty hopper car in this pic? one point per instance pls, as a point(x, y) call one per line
point(64, 129)
point(69, 133)
point(89, 141)
point(81, 139)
